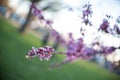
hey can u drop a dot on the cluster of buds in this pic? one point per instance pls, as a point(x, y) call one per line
point(39, 13)
point(44, 53)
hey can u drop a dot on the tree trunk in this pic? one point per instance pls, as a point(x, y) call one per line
point(45, 39)
point(56, 45)
point(23, 27)
point(29, 15)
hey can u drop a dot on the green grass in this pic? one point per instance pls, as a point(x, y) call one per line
point(14, 65)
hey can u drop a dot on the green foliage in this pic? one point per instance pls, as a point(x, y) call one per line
point(14, 65)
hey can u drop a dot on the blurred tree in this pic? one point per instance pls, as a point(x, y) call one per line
point(22, 28)
point(45, 39)
point(56, 45)
point(4, 2)
point(49, 6)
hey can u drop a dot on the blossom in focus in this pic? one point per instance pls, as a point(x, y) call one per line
point(44, 53)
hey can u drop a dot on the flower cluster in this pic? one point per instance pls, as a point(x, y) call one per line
point(39, 13)
point(44, 53)
point(107, 50)
point(77, 49)
point(105, 26)
point(87, 12)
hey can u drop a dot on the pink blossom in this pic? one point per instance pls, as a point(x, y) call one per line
point(44, 53)
point(104, 26)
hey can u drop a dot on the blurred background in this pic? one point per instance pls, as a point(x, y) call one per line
point(20, 30)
